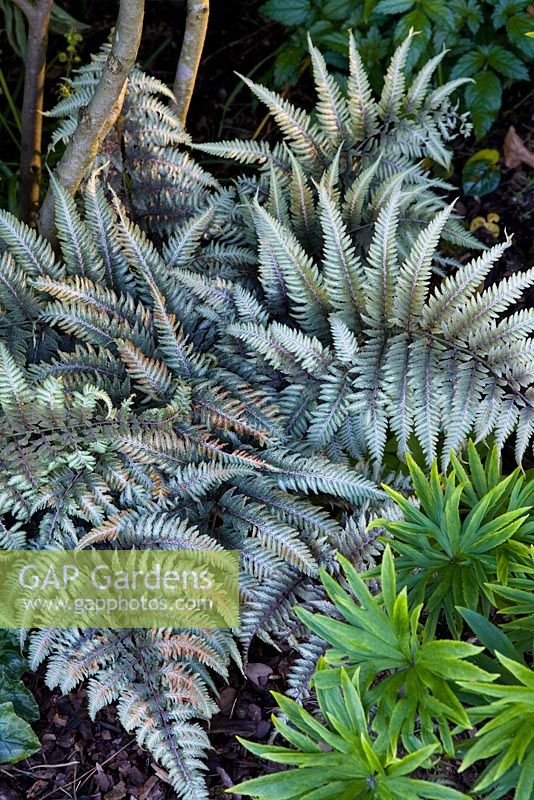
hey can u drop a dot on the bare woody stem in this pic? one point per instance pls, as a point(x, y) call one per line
point(190, 54)
point(97, 118)
point(32, 106)
point(25, 6)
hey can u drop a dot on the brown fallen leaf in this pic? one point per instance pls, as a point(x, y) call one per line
point(514, 150)
point(118, 792)
point(227, 700)
point(258, 673)
point(104, 781)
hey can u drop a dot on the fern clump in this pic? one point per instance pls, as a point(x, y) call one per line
point(370, 346)
point(361, 144)
point(142, 158)
point(365, 339)
point(408, 122)
point(123, 425)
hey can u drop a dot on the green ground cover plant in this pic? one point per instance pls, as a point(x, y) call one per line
point(486, 41)
point(385, 680)
point(17, 704)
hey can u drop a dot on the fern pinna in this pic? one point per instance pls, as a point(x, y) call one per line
point(123, 426)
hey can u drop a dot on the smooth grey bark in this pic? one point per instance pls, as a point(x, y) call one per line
point(97, 118)
point(186, 72)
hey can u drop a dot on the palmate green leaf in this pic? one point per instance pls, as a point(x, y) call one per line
point(461, 538)
point(381, 637)
point(508, 64)
point(338, 759)
point(286, 64)
point(12, 666)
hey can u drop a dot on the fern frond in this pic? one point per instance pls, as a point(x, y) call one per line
point(362, 107)
point(29, 251)
point(304, 138)
point(332, 111)
point(78, 251)
point(300, 275)
point(394, 82)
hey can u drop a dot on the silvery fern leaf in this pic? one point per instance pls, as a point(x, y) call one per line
point(363, 109)
point(332, 108)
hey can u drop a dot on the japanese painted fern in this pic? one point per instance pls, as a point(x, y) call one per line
point(123, 426)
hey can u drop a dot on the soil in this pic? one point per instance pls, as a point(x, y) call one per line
point(513, 200)
point(86, 760)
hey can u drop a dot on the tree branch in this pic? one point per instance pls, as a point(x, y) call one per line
point(97, 118)
point(26, 7)
point(32, 107)
point(190, 54)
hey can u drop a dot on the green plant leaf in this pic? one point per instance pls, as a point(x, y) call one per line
point(472, 15)
point(393, 6)
point(286, 65)
point(488, 634)
point(14, 691)
point(336, 9)
point(483, 99)
point(468, 65)
point(291, 12)
point(505, 62)
point(12, 662)
point(17, 739)
point(519, 29)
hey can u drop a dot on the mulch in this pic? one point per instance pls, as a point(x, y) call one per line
point(85, 760)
